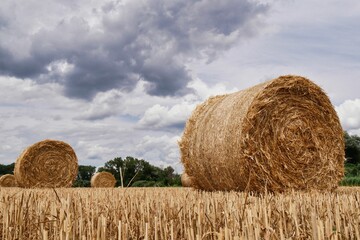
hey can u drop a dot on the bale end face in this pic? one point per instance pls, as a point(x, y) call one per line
point(186, 180)
point(46, 164)
point(103, 180)
point(8, 180)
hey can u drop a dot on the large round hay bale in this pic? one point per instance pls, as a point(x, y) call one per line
point(103, 180)
point(47, 164)
point(7, 180)
point(186, 180)
point(278, 135)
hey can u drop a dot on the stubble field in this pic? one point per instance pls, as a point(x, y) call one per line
point(177, 213)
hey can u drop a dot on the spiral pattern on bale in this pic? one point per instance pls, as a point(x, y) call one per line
point(186, 180)
point(278, 135)
point(46, 164)
point(7, 180)
point(103, 180)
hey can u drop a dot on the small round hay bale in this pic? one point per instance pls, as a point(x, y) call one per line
point(103, 180)
point(47, 164)
point(186, 180)
point(7, 180)
point(278, 135)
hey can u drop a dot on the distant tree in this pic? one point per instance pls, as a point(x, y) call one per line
point(86, 172)
point(352, 148)
point(7, 169)
point(140, 171)
point(352, 170)
point(352, 163)
point(167, 175)
point(116, 165)
point(136, 172)
point(84, 176)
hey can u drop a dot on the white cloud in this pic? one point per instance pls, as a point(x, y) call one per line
point(162, 150)
point(349, 114)
point(105, 104)
point(93, 150)
point(160, 116)
point(25, 91)
point(204, 91)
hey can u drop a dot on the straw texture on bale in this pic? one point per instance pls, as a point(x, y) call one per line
point(103, 180)
point(278, 135)
point(7, 180)
point(186, 180)
point(46, 164)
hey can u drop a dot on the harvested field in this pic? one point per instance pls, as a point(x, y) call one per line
point(177, 213)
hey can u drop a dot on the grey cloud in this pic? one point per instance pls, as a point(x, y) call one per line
point(91, 76)
point(165, 78)
point(23, 68)
point(94, 116)
point(179, 126)
point(3, 22)
point(151, 41)
point(223, 16)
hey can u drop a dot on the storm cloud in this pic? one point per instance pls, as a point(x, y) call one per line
point(120, 43)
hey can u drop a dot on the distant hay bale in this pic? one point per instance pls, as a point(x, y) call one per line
point(7, 180)
point(186, 180)
point(103, 180)
point(278, 135)
point(47, 164)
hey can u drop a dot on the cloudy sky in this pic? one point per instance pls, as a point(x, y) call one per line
point(120, 78)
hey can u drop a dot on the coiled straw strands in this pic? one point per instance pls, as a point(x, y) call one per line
point(46, 164)
point(7, 180)
point(278, 135)
point(103, 180)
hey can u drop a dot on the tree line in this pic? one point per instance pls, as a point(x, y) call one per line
point(129, 171)
point(352, 161)
point(132, 172)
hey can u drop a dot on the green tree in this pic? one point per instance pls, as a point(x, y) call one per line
point(86, 172)
point(140, 171)
point(113, 166)
point(352, 148)
point(7, 169)
point(128, 168)
point(84, 176)
point(352, 163)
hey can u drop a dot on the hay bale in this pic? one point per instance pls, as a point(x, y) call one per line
point(278, 135)
point(46, 164)
point(7, 180)
point(103, 180)
point(186, 180)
